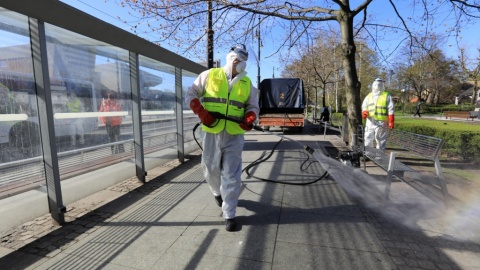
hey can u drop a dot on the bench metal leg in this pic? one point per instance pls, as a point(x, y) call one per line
point(364, 161)
point(441, 179)
point(391, 163)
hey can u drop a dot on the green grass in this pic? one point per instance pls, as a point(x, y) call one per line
point(468, 126)
point(463, 173)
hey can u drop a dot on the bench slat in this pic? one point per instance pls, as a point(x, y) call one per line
point(381, 159)
point(423, 146)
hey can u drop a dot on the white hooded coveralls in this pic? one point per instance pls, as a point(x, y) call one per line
point(372, 131)
point(222, 152)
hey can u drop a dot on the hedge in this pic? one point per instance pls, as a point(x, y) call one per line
point(461, 139)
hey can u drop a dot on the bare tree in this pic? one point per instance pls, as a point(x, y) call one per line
point(471, 73)
point(426, 71)
point(181, 22)
point(317, 65)
point(318, 61)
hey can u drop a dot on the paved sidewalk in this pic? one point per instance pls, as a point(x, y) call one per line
point(335, 222)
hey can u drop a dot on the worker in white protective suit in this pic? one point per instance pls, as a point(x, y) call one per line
point(377, 109)
point(230, 92)
point(75, 105)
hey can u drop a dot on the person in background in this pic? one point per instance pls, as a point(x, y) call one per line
point(75, 105)
point(112, 123)
point(417, 109)
point(7, 101)
point(325, 113)
point(378, 110)
point(230, 92)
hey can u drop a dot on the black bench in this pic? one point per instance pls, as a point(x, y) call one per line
point(410, 144)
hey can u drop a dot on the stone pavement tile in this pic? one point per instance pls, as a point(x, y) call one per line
point(252, 213)
point(213, 211)
point(18, 260)
point(465, 259)
point(171, 196)
point(329, 231)
point(325, 193)
point(157, 213)
point(127, 244)
point(202, 259)
point(261, 191)
point(181, 215)
point(5, 251)
point(413, 247)
point(123, 203)
point(201, 192)
point(250, 241)
point(147, 248)
point(303, 256)
point(72, 262)
point(341, 210)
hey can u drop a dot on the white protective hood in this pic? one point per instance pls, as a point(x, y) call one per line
point(378, 86)
point(231, 56)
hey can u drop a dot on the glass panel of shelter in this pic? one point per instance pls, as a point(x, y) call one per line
point(91, 97)
point(21, 166)
point(85, 76)
point(157, 95)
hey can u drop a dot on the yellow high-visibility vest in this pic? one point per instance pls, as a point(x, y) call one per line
point(378, 110)
point(217, 99)
point(73, 106)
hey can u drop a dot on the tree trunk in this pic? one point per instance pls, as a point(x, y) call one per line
point(323, 94)
point(474, 94)
point(352, 85)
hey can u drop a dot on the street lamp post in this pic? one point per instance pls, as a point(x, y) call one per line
point(258, 60)
point(209, 35)
point(316, 102)
point(403, 107)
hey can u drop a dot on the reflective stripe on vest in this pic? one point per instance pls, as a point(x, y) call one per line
point(379, 110)
point(217, 99)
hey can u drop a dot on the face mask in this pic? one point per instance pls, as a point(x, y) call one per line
point(241, 67)
point(377, 87)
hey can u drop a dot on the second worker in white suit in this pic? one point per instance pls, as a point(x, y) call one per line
point(378, 110)
point(227, 91)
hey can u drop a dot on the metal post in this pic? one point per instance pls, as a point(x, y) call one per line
point(324, 129)
point(345, 130)
point(316, 102)
point(209, 37)
point(258, 63)
point(179, 115)
point(45, 117)
point(137, 117)
point(391, 164)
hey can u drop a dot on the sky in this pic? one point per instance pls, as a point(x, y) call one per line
point(271, 66)
point(98, 8)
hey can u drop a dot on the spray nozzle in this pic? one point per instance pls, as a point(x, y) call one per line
point(309, 149)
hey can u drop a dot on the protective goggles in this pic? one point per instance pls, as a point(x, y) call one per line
point(241, 52)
